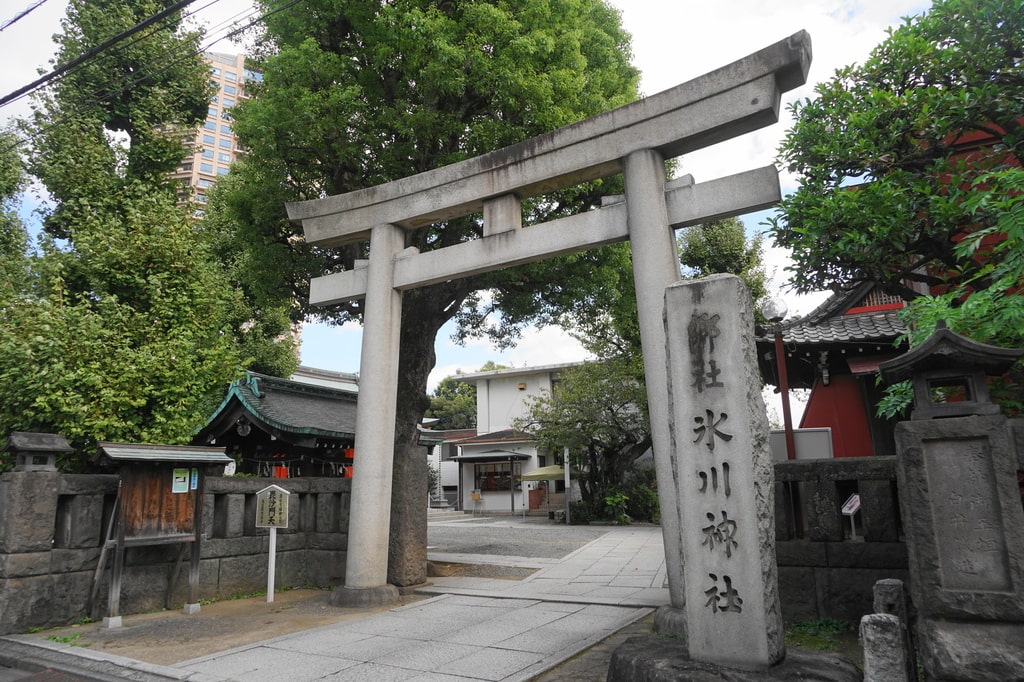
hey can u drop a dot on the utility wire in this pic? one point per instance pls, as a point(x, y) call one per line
point(115, 87)
point(82, 61)
point(92, 52)
point(24, 13)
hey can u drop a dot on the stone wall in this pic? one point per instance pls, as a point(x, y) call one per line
point(825, 572)
point(52, 528)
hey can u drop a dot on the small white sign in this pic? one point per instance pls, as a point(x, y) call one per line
point(272, 507)
point(852, 505)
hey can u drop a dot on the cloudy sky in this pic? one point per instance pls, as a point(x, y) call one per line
point(673, 41)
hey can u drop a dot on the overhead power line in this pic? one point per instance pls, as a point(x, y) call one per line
point(245, 21)
point(21, 15)
point(92, 52)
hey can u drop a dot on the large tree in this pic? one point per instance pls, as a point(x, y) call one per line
point(357, 93)
point(909, 171)
point(121, 332)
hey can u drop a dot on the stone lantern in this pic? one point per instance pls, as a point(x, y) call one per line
point(36, 451)
point(948, 364)
point(956, 467)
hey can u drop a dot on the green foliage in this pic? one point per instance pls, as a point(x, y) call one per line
point(615, 508)
point(453, 404)
point(581, 513)
point(598, 412)
point(722, 246)
point(641, 487)
point(821, 634)
point(910, 176)
point(896, 124)
point(358, 93)
point(122, 328)
point(71, 640)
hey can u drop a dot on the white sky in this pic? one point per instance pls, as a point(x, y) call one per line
point(673, 41)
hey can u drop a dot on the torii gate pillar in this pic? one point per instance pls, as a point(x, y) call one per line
point(655, 268)
point(370, 509)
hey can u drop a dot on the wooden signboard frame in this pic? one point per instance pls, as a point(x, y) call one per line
point(159, 502)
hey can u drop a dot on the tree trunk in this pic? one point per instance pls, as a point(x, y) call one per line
point(423, 314)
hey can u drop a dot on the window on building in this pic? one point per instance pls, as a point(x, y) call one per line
point(230, 76)
point(496, 476)
point(210, 125)
point(223, 158)
point(207, 153)
point(215, 71)
point(204, 183)
point(228, 102)
point(225, 144)
point(206, 168)
point(211, 112)
point(201, 198)
point(187, 166)
point(222, 170)
point(226, 115)
point(225, 129)
point(230, 90)
point(209, 139)
point(253, 76)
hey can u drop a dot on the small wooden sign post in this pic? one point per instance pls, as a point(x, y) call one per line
point(272, 513)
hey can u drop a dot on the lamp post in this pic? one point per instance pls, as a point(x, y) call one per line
point(775, 311)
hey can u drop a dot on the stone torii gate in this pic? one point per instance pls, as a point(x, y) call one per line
point(633, 139)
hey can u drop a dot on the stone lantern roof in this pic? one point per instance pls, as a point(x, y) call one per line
point(950, 364)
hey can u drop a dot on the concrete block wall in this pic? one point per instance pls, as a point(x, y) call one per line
point(52, 528)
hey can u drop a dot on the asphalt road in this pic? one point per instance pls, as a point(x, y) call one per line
point(510, 537)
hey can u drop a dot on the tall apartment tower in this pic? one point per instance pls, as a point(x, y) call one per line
point(215, 146)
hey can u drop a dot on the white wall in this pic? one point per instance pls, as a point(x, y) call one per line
point(500, 401)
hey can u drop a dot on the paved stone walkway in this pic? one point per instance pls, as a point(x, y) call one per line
point(474, 629)
point(477, 628)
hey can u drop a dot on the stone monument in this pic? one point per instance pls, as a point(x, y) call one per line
point(729, 624)
point(961, 510)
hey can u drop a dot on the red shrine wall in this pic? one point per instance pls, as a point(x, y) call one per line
point(840, 406)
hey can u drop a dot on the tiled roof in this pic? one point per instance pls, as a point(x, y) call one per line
point(505, 436)
point(292, 406)
point(829, 323)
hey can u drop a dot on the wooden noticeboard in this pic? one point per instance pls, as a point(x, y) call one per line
point(159, 501)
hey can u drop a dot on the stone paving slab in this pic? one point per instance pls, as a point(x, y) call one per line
point(501, 640)
point(491, 560)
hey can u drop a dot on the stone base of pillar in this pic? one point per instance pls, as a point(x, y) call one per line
point(363, 597)
point(650, 658)
point(190, 609)
point(670, 621)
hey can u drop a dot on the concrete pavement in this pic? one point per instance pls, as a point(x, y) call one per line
point(473, 629)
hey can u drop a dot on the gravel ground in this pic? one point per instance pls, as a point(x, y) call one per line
point(511, 536)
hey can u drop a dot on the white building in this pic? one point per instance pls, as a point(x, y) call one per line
point(490, 463)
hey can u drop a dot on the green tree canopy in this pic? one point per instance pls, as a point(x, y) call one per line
point(453, 404)
point(124, 332)
point(358, 93)
point(599, 412)
point(722, 246)
point(909, 171)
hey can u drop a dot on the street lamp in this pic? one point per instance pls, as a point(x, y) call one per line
point(774, 310)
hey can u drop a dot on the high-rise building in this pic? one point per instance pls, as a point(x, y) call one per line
point(215, 145)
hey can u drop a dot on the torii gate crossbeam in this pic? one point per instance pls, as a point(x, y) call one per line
point(633, 139)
